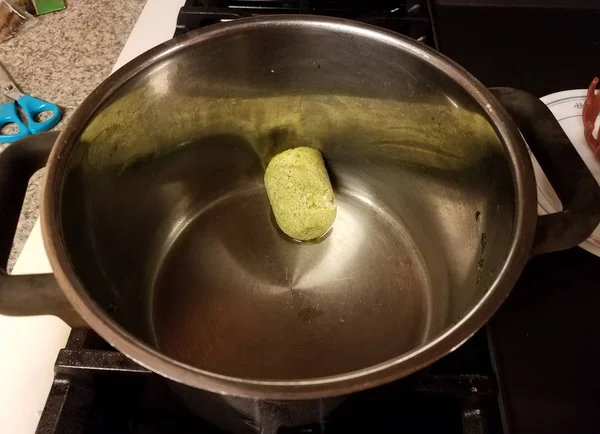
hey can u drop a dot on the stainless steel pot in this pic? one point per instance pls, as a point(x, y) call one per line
point(159, 232)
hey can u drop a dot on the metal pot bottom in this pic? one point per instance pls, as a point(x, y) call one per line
point(234, 296)
point(250, 416)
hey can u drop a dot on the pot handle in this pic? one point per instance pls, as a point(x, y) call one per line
point(36, 294)
point(569, 176)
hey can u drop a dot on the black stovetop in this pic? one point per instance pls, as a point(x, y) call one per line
point(531, 370)
point(547, 346)
point(98, 391)
point(409, 17)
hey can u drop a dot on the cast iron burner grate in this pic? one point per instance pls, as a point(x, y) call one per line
point(409, 17)
point(97, 390)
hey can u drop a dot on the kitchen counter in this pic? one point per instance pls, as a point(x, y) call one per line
point(61, 58)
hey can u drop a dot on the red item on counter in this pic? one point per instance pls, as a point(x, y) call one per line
point(591, 109)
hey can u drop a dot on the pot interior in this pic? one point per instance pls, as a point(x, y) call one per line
point(169, 229)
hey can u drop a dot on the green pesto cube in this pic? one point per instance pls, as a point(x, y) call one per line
point(300, 193)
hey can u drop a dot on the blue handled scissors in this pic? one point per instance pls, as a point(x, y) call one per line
point(31, 106)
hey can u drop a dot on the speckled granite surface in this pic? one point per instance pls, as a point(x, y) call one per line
point(62, 58)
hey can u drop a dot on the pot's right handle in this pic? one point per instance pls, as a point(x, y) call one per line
point(36, 294)
point(569, 176)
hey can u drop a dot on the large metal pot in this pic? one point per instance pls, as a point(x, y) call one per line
point(159, 231)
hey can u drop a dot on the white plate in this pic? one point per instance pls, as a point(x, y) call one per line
point(566, 107)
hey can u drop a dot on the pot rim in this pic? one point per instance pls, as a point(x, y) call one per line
point(401, 366)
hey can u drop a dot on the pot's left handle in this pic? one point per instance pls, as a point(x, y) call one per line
point(25, 295)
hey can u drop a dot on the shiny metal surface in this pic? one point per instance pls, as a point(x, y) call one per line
point(155, 208)
point(8, 86)
point(264, 307)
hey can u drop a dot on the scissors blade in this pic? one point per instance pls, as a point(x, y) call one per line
point(7, 85)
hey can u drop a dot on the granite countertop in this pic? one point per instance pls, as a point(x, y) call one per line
point(61, 58)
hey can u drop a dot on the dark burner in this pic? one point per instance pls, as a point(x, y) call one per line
point(97, 390)
point(409, 17)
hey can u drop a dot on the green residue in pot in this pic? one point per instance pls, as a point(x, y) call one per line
point(300, 193)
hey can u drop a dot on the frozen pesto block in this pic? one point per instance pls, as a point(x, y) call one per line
point(300, 193)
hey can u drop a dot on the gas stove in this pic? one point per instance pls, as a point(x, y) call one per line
point(531, 370)
point(97, 390)
point(409, 17)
